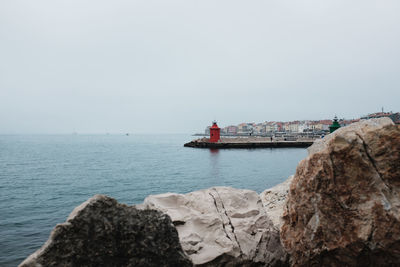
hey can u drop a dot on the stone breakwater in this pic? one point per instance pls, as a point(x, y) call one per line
point(341, 208)
point(248, 142)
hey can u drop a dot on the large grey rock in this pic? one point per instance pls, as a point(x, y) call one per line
point(223, 226)
point(274, 199)
point(343, 206)
point(102, 232)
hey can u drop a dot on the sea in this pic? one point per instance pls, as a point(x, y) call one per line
point(44, 177)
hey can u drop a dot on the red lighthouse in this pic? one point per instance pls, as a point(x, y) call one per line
point(214, 133)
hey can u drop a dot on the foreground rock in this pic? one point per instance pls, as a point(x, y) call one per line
point(102, 232)
point(222, 225)
point(343, 206)
point(274, 200)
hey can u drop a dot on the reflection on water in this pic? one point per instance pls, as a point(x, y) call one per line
point(214, 151)
point(215, 166)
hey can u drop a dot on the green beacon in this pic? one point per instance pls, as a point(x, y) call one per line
point(335, 125)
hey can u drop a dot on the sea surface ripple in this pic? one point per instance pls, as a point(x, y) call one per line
point(43, 177)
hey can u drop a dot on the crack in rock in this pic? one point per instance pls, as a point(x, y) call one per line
point(220, 215)
point(372, 161)
point(385, 199)
point(230, 222)
point(219, 204)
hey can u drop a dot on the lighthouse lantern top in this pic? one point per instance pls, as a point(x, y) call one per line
point(214, 125)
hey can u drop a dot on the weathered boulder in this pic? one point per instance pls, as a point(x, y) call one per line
point(274, 200)
point(360, 127)
point(102, 232)
point(223, 226)
point(343, 206)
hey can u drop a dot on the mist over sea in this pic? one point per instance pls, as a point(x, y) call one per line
point(44, 177)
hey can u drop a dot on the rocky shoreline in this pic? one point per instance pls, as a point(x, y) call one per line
point(341, 208)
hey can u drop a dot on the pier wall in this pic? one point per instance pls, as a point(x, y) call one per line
point(247, 143)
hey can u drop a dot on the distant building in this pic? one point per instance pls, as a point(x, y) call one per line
point(395, 117)
point(286, 127)
point(242, 128)
point(231, 130)
point(279, 127)
point(377, 115)
point(259, 128)
point(270, 127)
point(304, 126)
point(294, 127)
point(325, 124)
point(245, 128)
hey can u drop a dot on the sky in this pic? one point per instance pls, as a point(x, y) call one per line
point(172, 66)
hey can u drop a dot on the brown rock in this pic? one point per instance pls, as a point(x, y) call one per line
point(102, 232)
point(343, 206)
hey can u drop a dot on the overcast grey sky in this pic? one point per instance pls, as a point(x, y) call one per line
point(170, 66)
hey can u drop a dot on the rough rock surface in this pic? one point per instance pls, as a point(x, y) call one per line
point(274, 199)
point(223, 226)
point(360, 127)
point(343, 206)
point(102, 232)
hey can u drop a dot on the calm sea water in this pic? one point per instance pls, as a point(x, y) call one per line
point(43, 177)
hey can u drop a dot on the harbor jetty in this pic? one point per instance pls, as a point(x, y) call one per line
point(215, 141)
point(249, 142)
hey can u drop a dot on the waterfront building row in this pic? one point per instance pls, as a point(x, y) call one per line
point(294, 127)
